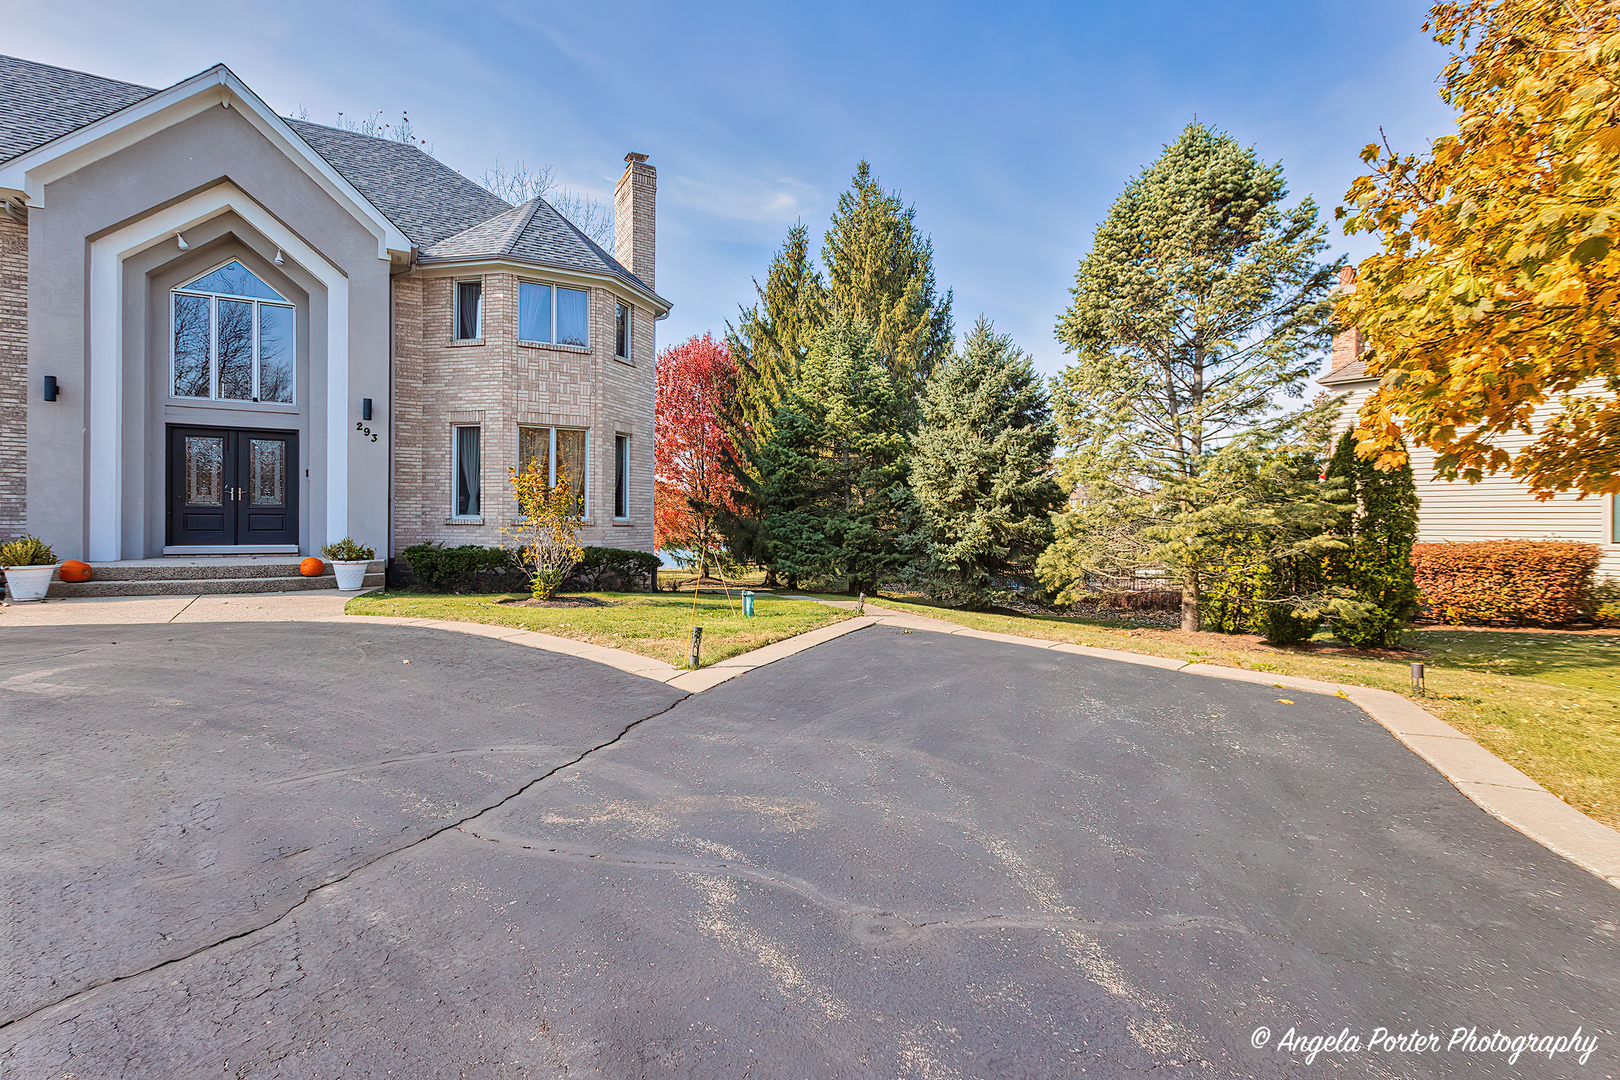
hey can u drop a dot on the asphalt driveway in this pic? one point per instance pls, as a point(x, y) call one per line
point(279, 850)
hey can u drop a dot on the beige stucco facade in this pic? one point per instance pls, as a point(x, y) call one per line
point(101, 225)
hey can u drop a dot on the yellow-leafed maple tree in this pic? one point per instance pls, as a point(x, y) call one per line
point(1497, 289)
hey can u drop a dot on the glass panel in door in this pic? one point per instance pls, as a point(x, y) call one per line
point(267, 472)
point(205, 470)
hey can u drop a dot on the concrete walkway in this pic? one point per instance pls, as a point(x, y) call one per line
point(1497, 787)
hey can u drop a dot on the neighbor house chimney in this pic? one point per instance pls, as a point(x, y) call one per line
point(635, 218)
point(1347, 342)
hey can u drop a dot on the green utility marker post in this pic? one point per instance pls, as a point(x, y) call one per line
point(692, 656)
point(748, 604)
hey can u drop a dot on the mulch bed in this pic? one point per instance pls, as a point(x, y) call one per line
point(559, 602)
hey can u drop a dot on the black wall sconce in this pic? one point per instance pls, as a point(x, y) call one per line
point(50, 388)
point(365, 408)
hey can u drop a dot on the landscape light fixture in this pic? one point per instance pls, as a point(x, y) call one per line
point(181, 241)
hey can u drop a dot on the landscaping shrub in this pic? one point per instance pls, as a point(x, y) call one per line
point(615, 569)
point(1141, 600)
point(465, 569)
point(1522, 582)
point(1606, 602)
point(1374, 574)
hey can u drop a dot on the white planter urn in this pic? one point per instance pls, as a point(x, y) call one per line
point(27, 583)
point(350, 573)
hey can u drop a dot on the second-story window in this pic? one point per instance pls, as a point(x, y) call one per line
point(550, 314)
point(469, 310)
point(621, 332)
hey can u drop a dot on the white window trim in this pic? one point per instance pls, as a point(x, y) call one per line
point(455, 473)
point(455, 311)
point(554, 343)
point(213, 299)
point(625, 436)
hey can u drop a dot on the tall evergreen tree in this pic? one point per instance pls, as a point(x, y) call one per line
point(880, 271)
point(1376, 570)
point(832, 472)
point(1202, 301)
point(772, 337)
point(981, 470)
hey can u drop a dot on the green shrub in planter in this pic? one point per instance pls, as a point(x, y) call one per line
point(347, 550)
point(468, 568)
point(27, 551)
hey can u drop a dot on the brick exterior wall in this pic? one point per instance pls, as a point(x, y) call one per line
point(500, 385)
point(13, 376)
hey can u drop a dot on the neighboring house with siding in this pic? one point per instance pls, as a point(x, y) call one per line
point(223, 331)
point(1499, 507)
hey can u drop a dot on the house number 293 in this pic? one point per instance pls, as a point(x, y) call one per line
point(360, 426)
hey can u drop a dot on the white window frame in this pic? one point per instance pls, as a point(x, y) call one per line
point(621, 477)
point(455, 308)
point(213, 299)
point(629, 315)
point(551, 458)
point(455, 471)
point(552, 287)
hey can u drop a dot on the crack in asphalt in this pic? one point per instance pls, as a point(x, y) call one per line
point(346, 875)
point(868, 924)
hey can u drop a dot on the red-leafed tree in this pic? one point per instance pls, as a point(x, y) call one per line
point(697, 380)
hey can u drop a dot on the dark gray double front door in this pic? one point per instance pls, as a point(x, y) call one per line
point(232, 487)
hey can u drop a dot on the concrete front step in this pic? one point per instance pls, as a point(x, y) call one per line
point(199, 586)
point(205, 569)
point(196, 576)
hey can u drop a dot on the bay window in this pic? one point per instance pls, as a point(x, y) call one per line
point(558, 454)
point(554, 314)
point(469, 310)
point(467, 464)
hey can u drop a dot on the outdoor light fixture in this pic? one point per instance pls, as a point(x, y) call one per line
point(278, 260)
point(50, 388)
point(1417, 677)
point(365, 408)
point(181, 241)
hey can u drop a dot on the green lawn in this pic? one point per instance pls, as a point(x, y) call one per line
point(1545, 701)
point(652, 624)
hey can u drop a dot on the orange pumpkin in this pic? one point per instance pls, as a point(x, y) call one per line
point(74, 570)
point(311, 567)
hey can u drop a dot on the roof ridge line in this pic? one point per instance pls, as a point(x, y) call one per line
point(517, 234)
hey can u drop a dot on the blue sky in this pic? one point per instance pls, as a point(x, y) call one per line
point(1011, 127)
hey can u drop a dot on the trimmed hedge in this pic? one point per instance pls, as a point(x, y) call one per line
point(468, 568)
point(615, 569)
point(474, 569)
point(1522, 582)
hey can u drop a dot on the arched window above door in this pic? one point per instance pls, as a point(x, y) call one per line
point(232, 338)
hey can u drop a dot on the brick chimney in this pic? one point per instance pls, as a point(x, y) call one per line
point(1347, 342)
point(635, 218)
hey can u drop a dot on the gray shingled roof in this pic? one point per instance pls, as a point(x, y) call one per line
point(1350, 371)
point(536, 233)
point(425, 198)
point(39, 102)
